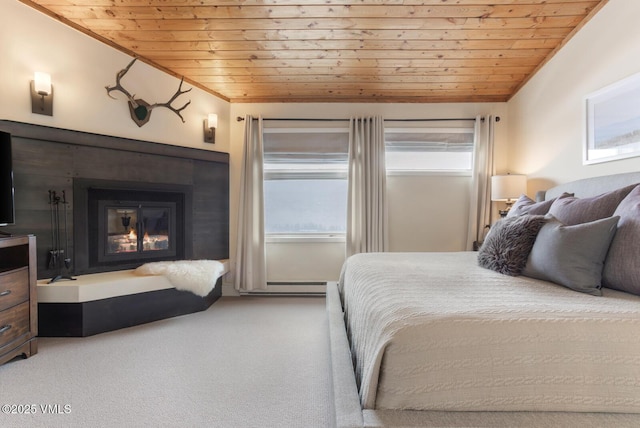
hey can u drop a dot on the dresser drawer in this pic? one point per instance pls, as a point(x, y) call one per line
point(14, 287)
point(14, 323)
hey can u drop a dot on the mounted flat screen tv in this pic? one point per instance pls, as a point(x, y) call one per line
point(7, 208)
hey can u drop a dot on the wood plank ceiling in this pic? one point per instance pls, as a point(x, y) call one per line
point(335, 50)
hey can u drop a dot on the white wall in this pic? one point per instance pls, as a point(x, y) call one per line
point(80, 68)
point(300, 262)
point(428, 213)
point(546, 124)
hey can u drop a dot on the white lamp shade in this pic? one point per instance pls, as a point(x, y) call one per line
point(507, 187)
point(212, 120)
point(42, 83)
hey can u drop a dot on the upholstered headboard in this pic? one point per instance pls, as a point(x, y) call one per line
point(592, 186)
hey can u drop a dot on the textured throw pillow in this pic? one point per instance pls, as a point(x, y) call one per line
point(622, 266)
point(509, 242)
point(526, 205)
point(572, 256)
point(571, 210)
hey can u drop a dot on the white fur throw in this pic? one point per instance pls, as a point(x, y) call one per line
point(197, 276)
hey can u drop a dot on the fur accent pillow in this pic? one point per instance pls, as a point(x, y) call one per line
point(507, 247)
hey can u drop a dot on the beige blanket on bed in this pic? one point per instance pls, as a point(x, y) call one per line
point(433, 331)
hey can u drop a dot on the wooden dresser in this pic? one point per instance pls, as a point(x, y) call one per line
point(18, 299)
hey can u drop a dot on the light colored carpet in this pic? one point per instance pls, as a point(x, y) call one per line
point(245, 362)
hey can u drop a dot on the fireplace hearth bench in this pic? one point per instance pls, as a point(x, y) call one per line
point(101, 302)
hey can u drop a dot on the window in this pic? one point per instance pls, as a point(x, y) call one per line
point(433, 149)
point(305, 182)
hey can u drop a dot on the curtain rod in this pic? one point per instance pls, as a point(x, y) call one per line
point(240, 119)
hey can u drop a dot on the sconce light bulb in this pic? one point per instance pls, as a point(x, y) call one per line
point(210, 124)
point(42, 83)
point(212, 120)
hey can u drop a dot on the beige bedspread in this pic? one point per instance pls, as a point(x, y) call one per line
point(433, 331)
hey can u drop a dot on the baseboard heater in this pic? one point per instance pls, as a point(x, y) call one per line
point(292, 288)
point(298, 283)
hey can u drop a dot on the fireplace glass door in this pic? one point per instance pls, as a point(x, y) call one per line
point(135, 230)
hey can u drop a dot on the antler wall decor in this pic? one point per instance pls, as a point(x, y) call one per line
point(140, 109)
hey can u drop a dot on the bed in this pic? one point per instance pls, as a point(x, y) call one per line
point(435, 339)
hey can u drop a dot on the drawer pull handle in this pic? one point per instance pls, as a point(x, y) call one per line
point(5, 328)
point(5, 293)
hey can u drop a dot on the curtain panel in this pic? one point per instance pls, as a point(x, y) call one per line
point(250, 269)
point(367, 228)
point(480, 193)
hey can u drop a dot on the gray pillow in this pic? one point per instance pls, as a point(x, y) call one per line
point(572, 256)
point(507, 246)
point(622, 266)
point(572, 210)
point(526, 205)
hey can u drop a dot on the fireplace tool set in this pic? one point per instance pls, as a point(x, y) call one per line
point(59, 257)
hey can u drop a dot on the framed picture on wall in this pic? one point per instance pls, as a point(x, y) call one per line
point(613, 122)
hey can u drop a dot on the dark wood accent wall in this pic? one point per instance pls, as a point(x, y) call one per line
point(47, 158)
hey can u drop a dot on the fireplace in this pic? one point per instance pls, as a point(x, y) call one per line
point(135, 229)
point(121, 225)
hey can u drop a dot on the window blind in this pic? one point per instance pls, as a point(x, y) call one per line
point(427, 140)
point(303, 146)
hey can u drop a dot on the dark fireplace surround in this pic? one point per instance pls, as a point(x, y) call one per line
point(46, 159)
point(101, 247)
point(191, 184)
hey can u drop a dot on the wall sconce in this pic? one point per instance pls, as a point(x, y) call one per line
point(210, 125)
point(42, 94)
point(507, 188)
